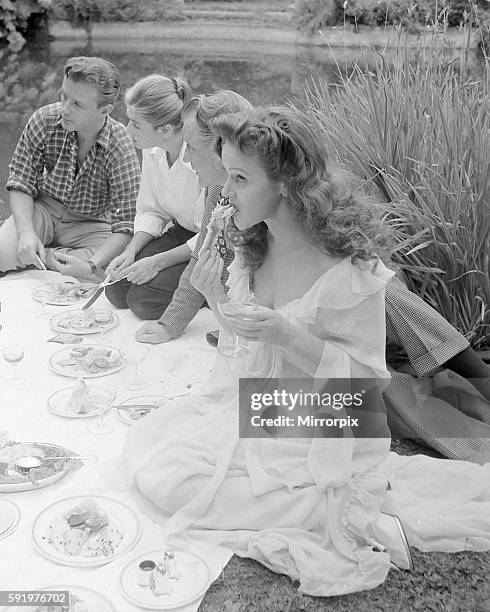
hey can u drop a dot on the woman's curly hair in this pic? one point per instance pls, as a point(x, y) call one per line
point(335, 214)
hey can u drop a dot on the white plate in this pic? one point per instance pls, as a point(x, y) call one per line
point(32, 448)
point(76, 370)
point(58, 402)
point(120, 519)
point(92, 600)
point(61, 294)
point(9, 517)
point(65, 322)
point(193, 583)
point(124, 415)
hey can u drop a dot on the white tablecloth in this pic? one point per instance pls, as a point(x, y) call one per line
point(24, 410)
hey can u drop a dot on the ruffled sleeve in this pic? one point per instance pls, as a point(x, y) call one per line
point(345, 308)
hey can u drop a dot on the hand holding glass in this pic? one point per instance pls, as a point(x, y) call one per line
point(237, 309)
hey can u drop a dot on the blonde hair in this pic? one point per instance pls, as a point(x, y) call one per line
point(160, 99)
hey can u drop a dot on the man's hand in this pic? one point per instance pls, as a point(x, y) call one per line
point(69, 265)
point(28, 249)
point(152, 333)
point(125, 259)
point(142, 271)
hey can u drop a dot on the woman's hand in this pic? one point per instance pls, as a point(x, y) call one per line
point(206, 276)
point(142, 271)
point(122, 261)
point(263, 325)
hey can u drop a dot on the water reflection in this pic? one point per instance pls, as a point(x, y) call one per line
point(261, 73)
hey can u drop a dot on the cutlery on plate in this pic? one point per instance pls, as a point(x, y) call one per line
point(100, 288)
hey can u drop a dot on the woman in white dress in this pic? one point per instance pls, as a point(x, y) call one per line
point(168, 208)
point(308, 507)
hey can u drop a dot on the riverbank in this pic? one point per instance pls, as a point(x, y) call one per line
point(236, 32)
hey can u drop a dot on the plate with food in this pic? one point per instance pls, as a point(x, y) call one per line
point(65, 293)
point(57, 462)
point(78, 402)
point(86, 531)
point(176, 578)
point(9, 517)
point(87, 361)
point(135, 408)
point(91, 321)
point(80, 599)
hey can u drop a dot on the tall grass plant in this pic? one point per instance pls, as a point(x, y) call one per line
point(418, 130)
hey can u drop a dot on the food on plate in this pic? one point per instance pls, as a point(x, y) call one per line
point(219, 218)
point(84, 531)
point(85, 320)
point(10, 473)
point(93, 359)
point(79, 402)
point(64, 292)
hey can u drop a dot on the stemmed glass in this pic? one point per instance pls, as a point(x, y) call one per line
point(228, 307)
point(103, 401)
point(44, 312)
point(14, 354)
point(135, 356)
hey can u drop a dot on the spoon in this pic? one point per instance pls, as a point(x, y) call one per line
point(30, 462)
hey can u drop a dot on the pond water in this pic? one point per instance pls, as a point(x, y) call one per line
point(262, 73)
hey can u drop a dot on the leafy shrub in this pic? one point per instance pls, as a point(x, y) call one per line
point(17, 19)
point(418, 133)
point(84, 12)
point(312, 15)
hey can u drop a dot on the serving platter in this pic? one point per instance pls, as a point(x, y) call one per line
point(44, 476)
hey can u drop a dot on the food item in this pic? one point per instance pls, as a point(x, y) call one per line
point(219, 218)
point(66, 339)
point(84, 531)
point(86, 320)
point(79, 402)
point(62, 293)
point(93, 359)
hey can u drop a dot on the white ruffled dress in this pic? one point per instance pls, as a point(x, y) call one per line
point(303, 507)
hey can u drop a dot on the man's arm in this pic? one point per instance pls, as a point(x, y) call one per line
point(22, 207)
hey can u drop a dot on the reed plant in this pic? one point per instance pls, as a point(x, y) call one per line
point(417, 128)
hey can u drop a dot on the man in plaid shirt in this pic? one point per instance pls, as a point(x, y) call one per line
point(73, 178)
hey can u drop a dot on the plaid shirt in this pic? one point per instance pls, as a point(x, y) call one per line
point(187, 300)
point(45, 159)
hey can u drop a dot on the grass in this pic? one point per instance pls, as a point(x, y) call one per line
point(417, 131)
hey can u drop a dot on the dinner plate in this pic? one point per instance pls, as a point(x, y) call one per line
point(59, 402)
point(50, 531)
point(139, 400)
point(86, 600)
point(194, 581)
point(9, 517)
point(54, 472)
point(84, 322)
point(68, 360)
point(66, 293)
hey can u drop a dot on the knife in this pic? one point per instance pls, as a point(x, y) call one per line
point(98, 292)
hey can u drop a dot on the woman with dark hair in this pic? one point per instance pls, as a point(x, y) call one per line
point(308, 290)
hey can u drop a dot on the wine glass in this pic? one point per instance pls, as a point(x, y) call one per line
point(14, 354)
point(228, 307)
point(135, 355)
point(103, 398)
point(44, 312)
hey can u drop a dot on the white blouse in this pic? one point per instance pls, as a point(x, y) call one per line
point(166, 194)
